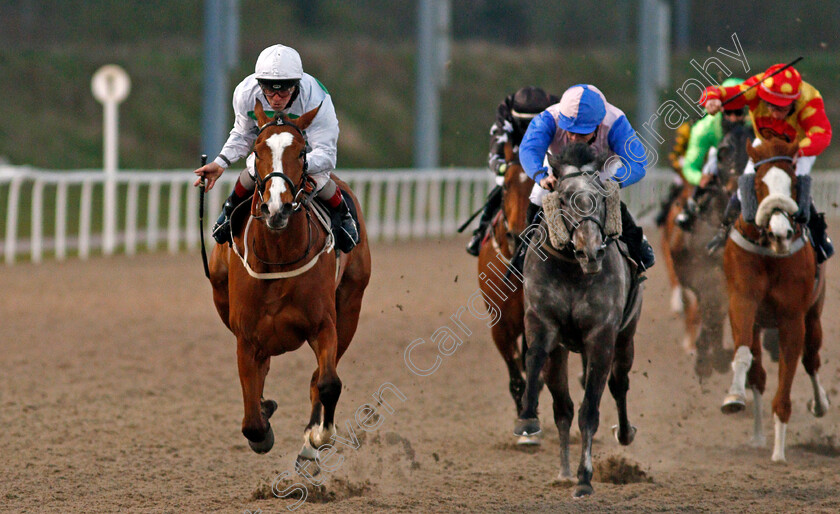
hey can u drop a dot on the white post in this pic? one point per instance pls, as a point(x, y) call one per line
point(110, 86)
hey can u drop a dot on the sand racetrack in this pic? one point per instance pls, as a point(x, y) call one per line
point(119, 392)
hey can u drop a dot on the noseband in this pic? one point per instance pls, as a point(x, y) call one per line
point(298, 190)
point(763, 230)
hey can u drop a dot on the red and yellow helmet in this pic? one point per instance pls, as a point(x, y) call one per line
point(782, 88)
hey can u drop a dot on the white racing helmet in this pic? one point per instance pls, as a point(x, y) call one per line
point(277, 63)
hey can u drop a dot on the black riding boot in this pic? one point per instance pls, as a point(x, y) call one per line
point(819, 237)
point(733, 210)
point(635, 239)
point(494, 201)
point(518, 260)
point(345, 229)
point(221, 229)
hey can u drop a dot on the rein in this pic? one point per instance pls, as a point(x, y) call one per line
point(329, 243)
point(301, 200)
point(773, 159)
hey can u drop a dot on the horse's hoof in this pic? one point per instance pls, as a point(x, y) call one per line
point(627, 440)
point(564, 478)
point(528, 440)
point(267, 408)
point(817, 408)
point(527, 427)
point(702, 366)
point(307, 465)
point(582, 490)
point(265, 445)
point(688, 346)
point(758, 442)
point(733, 403)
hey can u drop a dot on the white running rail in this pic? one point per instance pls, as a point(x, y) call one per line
point(58, 214)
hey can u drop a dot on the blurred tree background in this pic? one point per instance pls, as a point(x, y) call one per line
point(363, 51)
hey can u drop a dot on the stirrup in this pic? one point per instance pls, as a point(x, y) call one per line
point(718, 240)
point(824, 250)
point(474, 246)
point(221, 229)
point(221, 232)
point(346, 234)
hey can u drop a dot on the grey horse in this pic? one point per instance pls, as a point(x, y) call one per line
point(585, 299)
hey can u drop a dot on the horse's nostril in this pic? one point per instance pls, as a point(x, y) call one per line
point(600, 253)
point(789, 233)
point(264, 209)
point(580, 254)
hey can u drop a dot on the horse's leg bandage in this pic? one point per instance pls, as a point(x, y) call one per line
point(740, 366)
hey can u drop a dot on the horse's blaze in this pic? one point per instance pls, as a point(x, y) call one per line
point(278, 144)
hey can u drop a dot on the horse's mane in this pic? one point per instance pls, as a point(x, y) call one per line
point(577, 155)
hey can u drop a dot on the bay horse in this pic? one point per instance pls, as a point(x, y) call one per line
point(773, 280)
point(281, 283)
point(701, 284)
point(505, 294)
point(582, 298)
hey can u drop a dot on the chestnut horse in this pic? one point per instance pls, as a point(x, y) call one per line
point(773, 280)
point(505, 294)
point(701, 284)
point(281, 284)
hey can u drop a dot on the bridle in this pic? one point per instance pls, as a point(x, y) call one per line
point(605, 240)
point(301, 198)
point(762, 230)
point(298, 190)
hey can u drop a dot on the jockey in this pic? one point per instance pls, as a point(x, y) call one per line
point(676, 157)
point(584, 116)
point(782, 106)
point(513, 115)
point(700, 164)
point(280, 85)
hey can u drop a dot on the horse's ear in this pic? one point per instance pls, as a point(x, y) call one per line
point(259, 112)
point(307, 118)
point(752, 151)
point(556, 163)
point(792, 148)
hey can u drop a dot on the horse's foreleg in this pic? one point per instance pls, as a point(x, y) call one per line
point(791, 339)
point(756, 379)
point(600, 350)
point(504, 336)
point(691, 313)
point(327, 386)
point(540, 336)
point(619, 383)
point(252, 371)
point(811, 360)
point(742, 312)
point(557, 380)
